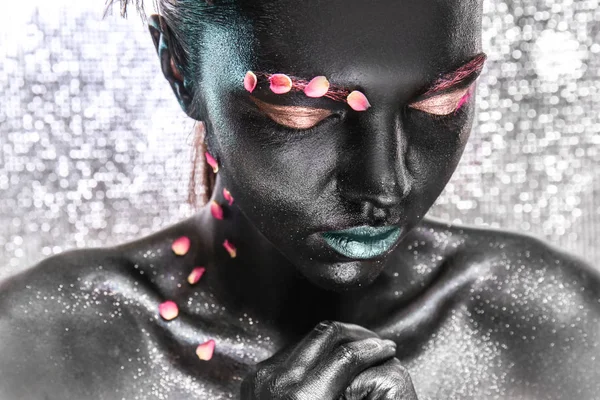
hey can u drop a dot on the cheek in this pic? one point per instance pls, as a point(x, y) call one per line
point(280, 182)
point(435, 148)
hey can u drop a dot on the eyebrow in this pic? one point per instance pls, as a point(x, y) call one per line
point(462, 76)
point(335, 92)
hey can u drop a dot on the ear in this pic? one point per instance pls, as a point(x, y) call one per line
point(171, 71)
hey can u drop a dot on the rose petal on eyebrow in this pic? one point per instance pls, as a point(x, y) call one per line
point(227, 195)
point(216, 210)
point(230, 248)
point(250, 81)
point(181, 246)
point(212, 162)
point(280, 83)
point(168, 310)
point(205, 350)
point(195, 275)
point(317, 87)
point(358, 101)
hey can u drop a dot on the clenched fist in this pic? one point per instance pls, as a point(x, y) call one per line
point(334, 361)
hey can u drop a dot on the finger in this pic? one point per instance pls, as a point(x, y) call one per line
point(388, 381)
point(323, 338)
point(336, 370)
point(265, 368)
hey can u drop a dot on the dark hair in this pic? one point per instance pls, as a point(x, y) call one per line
point(181, 20)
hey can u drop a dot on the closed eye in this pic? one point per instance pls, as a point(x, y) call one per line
point(295, 117)
point(444, 104)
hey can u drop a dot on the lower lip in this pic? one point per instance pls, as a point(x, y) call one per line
point(357, 243)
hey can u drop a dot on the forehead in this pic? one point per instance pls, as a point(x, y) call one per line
point(357, 41)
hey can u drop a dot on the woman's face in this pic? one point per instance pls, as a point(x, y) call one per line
point(300, 166)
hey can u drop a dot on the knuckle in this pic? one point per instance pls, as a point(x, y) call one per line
point(371, 344)
point(348, 354)
point(282, 383)
point(400, 383)
point(301, 393)
point(262, 374)
point(329, 328)
point(275, 386)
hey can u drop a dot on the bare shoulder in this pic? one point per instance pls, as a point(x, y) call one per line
point(78, 321)
point(53, 322)
point(540, 308)
point(507, 255)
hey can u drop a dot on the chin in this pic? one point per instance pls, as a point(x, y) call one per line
point(344, 276)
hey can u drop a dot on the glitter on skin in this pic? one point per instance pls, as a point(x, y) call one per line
point(168, 310)
point(553, 208)
point(181, 246)
point(195, 275)
point(230, 248)
point(205, 350)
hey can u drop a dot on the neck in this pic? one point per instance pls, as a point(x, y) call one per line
point(259, 281)
point(263, 284)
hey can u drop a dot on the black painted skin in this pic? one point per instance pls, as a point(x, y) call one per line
point(472, 313)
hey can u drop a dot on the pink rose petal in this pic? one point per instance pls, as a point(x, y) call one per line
point(250, 81)
point(317, 87)
point(227, 196)
point(216, 210)
point(280, 83)
point(168, 310)
point(205, 350)
point(212, 162)
point(181, 246)
point(195, 275)
point(230, 248)
point(358, 101)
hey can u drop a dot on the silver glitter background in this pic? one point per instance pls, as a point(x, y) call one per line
point(95, 151)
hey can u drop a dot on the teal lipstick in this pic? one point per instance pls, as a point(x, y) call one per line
point(362, 242)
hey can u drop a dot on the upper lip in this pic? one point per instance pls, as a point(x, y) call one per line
point(342, 227)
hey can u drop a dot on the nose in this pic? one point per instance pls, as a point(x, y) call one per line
point(374, 175)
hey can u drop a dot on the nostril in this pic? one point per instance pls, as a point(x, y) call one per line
point(379, 214)
point(379, 193)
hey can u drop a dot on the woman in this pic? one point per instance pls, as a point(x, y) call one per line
point(330, 129)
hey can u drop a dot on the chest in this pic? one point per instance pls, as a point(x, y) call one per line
point(463, 358)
